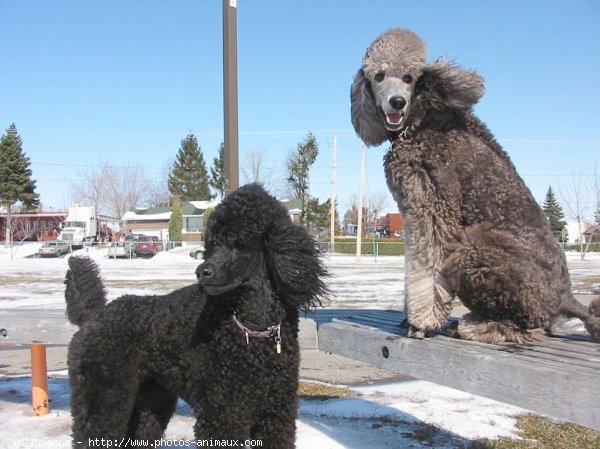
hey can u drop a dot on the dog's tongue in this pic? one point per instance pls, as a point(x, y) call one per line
point(394, 117)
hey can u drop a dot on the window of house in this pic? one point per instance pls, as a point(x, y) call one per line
point(193, 224)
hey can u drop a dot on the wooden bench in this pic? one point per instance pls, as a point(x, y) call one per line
point(559, 377)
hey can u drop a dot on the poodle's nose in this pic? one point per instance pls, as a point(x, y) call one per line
point(204, 272)
point(397, 102)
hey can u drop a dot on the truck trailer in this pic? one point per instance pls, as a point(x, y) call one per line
point(80, 226)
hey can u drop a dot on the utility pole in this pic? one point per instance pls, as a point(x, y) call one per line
point(230, 93)
point(361, 199)
point(332, 212)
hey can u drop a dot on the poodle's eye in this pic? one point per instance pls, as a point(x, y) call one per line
point(407, 78)
point(379, 76)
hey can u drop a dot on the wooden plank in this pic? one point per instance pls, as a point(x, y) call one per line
point(551, 380)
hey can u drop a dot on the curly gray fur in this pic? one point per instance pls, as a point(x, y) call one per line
point(473, 229)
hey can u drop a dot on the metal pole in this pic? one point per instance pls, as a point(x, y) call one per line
point(332, 210)
point(230, 93)
point(39, 379)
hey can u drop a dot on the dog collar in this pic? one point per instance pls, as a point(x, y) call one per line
point(271, 331)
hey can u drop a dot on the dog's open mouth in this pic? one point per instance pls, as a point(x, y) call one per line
point(393, 120)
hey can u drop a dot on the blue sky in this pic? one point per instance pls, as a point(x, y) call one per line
point(88, 81)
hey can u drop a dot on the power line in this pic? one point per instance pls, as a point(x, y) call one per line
point(301, 132)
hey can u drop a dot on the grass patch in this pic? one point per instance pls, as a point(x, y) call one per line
point(539, 432)
point(321, 392)
point(590, 280)
point(425, 433)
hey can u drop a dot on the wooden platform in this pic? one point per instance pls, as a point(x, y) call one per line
point(559, 377)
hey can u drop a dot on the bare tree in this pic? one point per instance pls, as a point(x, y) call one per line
point(113, 190)
point(576, 202)
point(374, 204)
point(595, 185)
point(91, 187)
point(128, 187)
point(256, 168)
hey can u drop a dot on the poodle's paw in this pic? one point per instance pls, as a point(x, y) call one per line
point(494, 332)
point(592, 324)
point(594, 308)
point(452, 330)
point(415, 332)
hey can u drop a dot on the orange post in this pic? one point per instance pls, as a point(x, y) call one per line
point(39, 379)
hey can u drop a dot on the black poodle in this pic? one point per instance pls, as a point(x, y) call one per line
point(227, 345)
point(473, 228)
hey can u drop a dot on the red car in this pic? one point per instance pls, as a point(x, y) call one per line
point(148, 246)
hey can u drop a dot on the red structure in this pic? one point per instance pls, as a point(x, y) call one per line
point(393, 224)
point(32, 226)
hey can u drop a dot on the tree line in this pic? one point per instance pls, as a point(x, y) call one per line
point(114, 190)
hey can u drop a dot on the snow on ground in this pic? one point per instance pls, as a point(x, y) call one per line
point(382, 416)
point(385, 416)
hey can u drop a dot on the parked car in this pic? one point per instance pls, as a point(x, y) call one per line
point(121, 249)
point(54, 248)
point(197, 252)
point(148, 245)
point(131, 240)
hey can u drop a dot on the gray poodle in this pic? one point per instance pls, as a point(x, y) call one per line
point(227, 345)
point(473, 229)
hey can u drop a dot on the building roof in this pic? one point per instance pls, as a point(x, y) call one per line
point(188, 208)
point(197, 207)
point(294, 205)
point(33, 214)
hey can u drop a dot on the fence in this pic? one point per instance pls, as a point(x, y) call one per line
point(377, 247)
point(381, 247)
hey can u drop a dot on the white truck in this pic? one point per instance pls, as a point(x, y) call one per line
point(80, 226)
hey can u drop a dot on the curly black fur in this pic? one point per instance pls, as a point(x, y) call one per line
point(473, 229)
point(132, 358)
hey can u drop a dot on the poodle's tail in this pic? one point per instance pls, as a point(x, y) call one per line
point(84, 293)
point(592, 322)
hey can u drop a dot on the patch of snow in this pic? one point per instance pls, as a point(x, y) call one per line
point(383, 416)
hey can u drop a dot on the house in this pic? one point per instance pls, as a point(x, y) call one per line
point(391, 225)
point(577, 231)
point(394, 224)
point(34, 226)
point(154, 221)
point(294, 208)
point(592, 234)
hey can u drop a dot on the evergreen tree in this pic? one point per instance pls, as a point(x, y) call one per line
point(16, 184)
point(218, 181)
point(298, 166)
point(188, 178)
point(555, 215)
point(319, 214)
point(176, 223)
point(205, 217)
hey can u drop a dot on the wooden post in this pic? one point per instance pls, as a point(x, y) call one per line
point(333, 192)
point(39, 379)
point(230, 93)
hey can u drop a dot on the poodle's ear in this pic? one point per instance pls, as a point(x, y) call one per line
point(446, 85)
point(294, 266)
point(365, 115)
